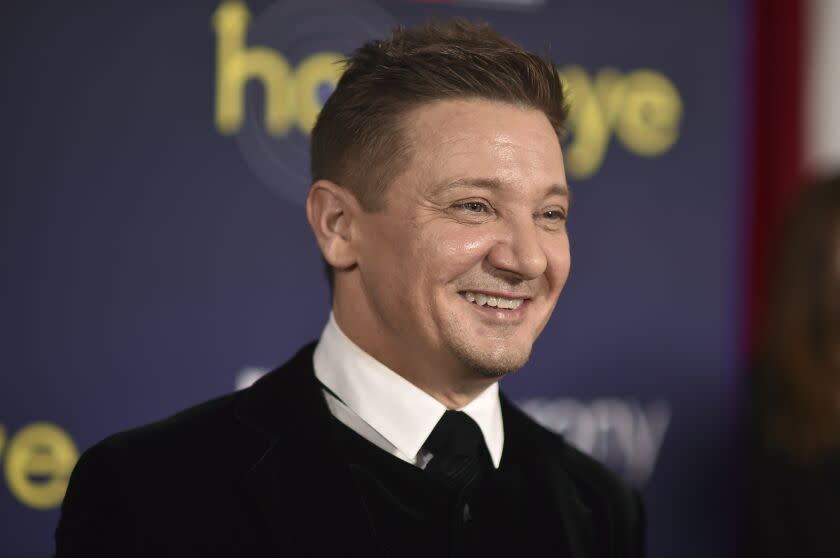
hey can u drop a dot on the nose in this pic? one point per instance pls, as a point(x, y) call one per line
point(518, 250)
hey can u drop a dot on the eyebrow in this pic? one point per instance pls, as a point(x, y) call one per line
point(557, 188)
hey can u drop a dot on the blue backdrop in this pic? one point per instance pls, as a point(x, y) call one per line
point(155, 251)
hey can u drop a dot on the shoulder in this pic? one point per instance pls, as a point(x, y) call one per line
point(600, 493)
point(231, 430)
point(134, 483)
point(191, 430)
point(190, 439)
point(201, 446)
point(576, 463)
point(186, 470)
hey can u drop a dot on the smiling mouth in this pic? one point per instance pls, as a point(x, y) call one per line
point(502, 303)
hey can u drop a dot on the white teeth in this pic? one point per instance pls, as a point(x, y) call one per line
point(493, 301)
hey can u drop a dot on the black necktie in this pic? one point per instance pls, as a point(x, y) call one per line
point(459, 454)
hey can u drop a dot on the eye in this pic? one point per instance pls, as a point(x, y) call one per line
point(474, 207)
point(554, 214)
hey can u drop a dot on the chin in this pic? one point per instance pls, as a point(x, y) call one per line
point(488, 352)
point(495, 362)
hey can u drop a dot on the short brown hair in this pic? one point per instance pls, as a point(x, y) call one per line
point(357, 140)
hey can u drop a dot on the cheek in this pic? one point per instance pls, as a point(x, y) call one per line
point(389, 262)
point(558, 259)
point(458, 250)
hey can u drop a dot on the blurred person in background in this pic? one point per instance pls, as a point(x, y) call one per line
point(794, 465)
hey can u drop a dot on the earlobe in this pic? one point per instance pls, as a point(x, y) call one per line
point(330, 213)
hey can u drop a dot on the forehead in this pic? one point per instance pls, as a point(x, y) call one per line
point(455, 139)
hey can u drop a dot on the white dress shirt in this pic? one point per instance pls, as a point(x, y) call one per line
point(388, 410)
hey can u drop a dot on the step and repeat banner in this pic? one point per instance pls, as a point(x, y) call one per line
point(156, 254)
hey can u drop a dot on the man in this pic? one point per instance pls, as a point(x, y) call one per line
point(439, 202)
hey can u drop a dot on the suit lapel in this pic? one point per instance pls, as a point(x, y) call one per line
point(300, 484)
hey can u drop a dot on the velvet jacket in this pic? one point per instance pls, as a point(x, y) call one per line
point(257, 473)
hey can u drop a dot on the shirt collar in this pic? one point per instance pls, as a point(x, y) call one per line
point(398, 410)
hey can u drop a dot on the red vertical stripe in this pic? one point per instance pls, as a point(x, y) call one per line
point(776, 150)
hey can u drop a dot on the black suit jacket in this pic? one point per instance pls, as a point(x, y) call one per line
point(255, 473)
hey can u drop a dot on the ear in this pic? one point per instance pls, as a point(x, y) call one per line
point(330, 210)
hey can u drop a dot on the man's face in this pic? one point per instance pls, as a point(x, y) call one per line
point(464, 264)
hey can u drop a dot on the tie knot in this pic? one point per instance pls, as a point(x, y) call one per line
point(455, 434)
